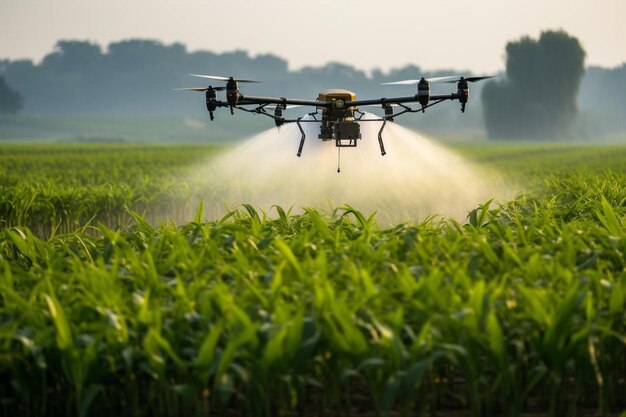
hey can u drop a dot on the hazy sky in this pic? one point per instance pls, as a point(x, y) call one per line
point(433, 34)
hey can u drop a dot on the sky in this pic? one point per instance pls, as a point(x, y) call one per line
point(435, 34)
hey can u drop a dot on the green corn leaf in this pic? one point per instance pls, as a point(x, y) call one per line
point(61, 325)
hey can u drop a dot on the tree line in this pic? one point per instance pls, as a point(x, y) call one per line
point(538, 96)
point(544, 89)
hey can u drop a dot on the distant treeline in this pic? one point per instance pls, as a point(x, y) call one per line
point(602, 100)
point(537, 98)
point(135, 78)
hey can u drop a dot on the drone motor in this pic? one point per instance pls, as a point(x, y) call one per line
point(232, 93)
point(211, 98)
point(423, 93)
point(278, 116)
point(463, 92)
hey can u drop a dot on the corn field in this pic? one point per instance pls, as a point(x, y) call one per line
point(521, 309)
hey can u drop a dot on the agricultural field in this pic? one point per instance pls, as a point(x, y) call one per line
point(106, 309)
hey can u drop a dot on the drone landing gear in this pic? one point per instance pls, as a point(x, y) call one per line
point(380, 139)
point(301, 139)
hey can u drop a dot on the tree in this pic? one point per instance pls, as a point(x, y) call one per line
point(10, 100)
point(538, 97)
point(72, 57)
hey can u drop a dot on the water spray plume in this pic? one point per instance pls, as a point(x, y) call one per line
point(417, 178)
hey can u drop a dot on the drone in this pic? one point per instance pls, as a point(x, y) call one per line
point(336, 110)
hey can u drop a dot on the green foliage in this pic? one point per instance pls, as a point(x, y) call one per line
point(61, 188)
point(521, 309)
point(538, 97)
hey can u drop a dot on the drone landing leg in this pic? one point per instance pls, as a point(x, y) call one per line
point(301, 139)
point(380, 139)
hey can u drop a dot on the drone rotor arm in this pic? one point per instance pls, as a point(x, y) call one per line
point(190, 89)
point(397, 100)
point(243, 100)
point(388, 103)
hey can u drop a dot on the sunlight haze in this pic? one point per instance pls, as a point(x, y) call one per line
point(365, 34)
